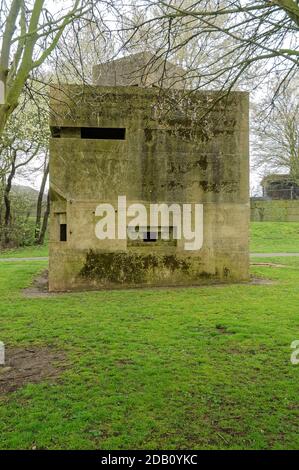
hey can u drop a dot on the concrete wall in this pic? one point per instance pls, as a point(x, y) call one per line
point(177, 155)
point(141, 69)
point(274, 211)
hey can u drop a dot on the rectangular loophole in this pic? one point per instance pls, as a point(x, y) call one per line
point(109, 133)
point(55, 132)
point(150, 236)
point(63, 232)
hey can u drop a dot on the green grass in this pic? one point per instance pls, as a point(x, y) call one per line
point(163, 368)
point(274, 237)
point(25, 252)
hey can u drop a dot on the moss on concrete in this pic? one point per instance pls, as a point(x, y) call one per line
point(129, 267)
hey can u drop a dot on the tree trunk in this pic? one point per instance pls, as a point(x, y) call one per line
point(7, 204)
point(42, 234)
point(1, 200)
point(39, 204)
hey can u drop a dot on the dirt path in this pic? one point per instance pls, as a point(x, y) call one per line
point(272, 255)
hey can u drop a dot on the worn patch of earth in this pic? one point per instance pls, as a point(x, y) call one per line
point(39, 287)
point(271, 265)
point(29, 365)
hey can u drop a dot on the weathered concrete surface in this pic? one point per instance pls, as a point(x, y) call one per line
point(274, 211)
point(174, 153)
point(142, 69)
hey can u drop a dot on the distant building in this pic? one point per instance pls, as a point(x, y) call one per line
point(277, 186)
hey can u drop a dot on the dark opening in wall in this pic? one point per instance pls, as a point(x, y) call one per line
point(150, 237)
point(109, 133)
point(55, 132)
point(63, 232)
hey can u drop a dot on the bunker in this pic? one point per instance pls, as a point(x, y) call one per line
point(139, 134)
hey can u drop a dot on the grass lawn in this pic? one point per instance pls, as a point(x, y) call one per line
point(274, 237)
point(163, 368)
point(25, 252)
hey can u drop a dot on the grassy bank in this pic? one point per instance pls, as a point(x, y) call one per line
point(274, 237)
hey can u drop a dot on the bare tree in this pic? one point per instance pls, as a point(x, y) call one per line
point(38, 41)
point(39, 236)
point(243, 39)
point(79, 50)
point(179, 41)
point(32, 30)
point(42, 233)
point(275, 145)
point(23, 143)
